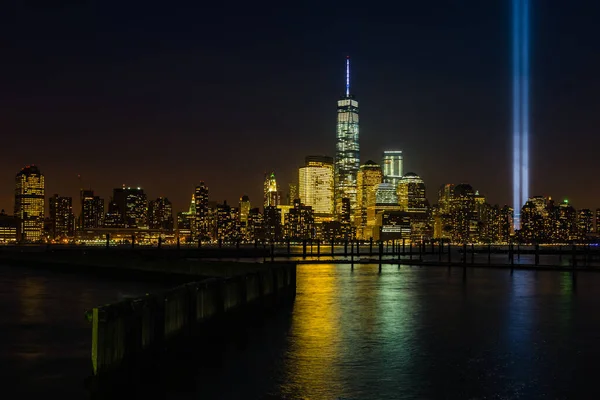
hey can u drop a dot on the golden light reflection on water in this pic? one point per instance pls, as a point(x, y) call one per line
point(315, 331)
point(345, 322)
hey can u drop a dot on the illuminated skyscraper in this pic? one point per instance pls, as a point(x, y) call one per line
point(202, 228)
point(368, 178)
point(92, 210)
point(597, 220)
point(347, 154)
point(160, 214)
point(292, 193)
point(29, 203)
point(244, 209)
point(392, 166)
point(132, 204)
point(411, 193)
point(61, 216)
point(271, 195)
point(315, 184)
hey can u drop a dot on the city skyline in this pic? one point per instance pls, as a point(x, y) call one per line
point(418, 100)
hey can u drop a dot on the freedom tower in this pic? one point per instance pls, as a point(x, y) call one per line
point(347, 160)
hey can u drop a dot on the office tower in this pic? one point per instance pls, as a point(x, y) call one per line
point(445, 197)
point(186, 222)
point(256, 225)
point(585, 223)
point(300, 222)
point(132, 205)
point(566, 223)
point(392, 166)
point(160, 214)
point(316, 183)
point(113, 217)
point(29, 203)
point(92, 210)
point(271, 195)
point(292, 193)
point(61, 217)
point(272, 224)
point(369, 177)
point(598, 220)
point(411, 193)
point(347, 154)
point(520, 92)
point(8, 228)
point(244, 209)
point(227, 226)
point(202, 228)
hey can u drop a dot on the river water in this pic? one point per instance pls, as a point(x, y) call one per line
point(355, 333)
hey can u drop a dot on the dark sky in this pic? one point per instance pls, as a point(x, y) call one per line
point(165, 94)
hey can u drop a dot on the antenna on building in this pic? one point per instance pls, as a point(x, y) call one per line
point(347, 76)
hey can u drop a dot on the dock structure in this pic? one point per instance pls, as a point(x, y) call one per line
point(126, 333)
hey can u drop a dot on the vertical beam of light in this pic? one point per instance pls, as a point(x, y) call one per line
point(347, 76)
point(516, 72)
point(525, 104)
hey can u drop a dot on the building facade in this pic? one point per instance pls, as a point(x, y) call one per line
point(392, 166)
point(160, 214)
point(29, 203)
point(62, 220)
point(272, 197)
point(92, 210)
point(316, 185)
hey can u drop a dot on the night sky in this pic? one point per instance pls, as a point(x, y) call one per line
point(160, 95)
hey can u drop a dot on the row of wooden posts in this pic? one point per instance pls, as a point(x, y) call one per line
point(399, 247)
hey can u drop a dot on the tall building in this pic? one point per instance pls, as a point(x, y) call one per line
point(132, 204)
point(292, 193)
point(299, 222)
point(411, 193)
point(598, 220)
point(392, 166)
point(160, 214)
point(585, 223)
point(202, 228)
point(369, 177)
point(113, 217)
point(315, 184)
point(347, 151)
point(61, 217)
point(186, 222)
point(244, 209)
point(29, 203)
point(271, 195)
point(92, 210)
